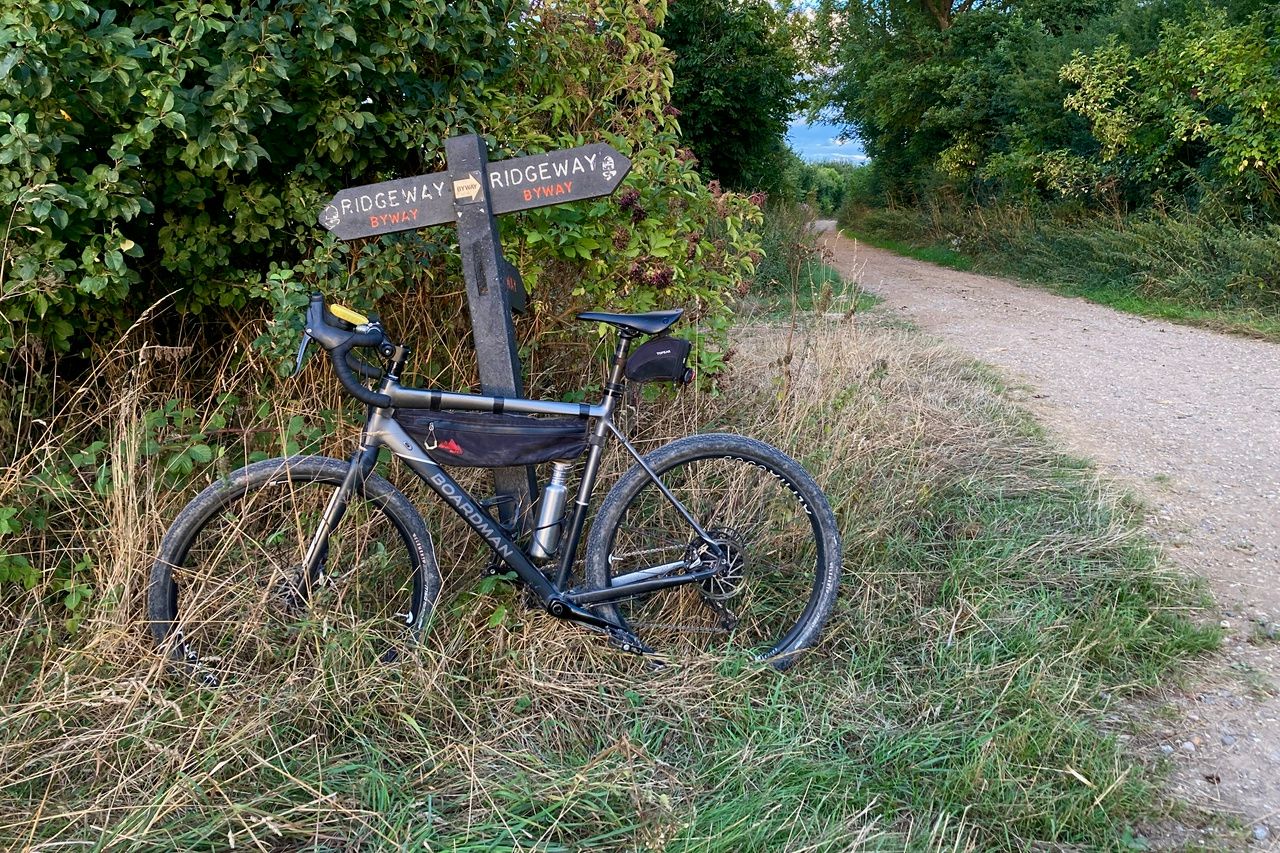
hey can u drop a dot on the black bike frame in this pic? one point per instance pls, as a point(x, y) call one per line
point(382, 430)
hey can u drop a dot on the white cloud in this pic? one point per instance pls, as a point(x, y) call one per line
point(821, 141)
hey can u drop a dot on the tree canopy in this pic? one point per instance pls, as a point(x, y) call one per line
point(736, 86)
point(1095, 99)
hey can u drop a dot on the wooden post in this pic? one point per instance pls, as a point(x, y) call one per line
point(489, 303)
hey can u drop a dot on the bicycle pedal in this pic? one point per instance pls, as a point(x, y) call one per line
point(628, 642)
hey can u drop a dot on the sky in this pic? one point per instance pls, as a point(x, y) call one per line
point(818, 142)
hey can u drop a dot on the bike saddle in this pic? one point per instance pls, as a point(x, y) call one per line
point(648, 324)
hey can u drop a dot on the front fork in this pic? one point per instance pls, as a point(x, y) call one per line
point(362, 462)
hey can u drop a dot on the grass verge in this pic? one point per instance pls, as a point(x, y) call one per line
point(934, 253)
point(817, 289)
point(996, 603)
point(1182, 268)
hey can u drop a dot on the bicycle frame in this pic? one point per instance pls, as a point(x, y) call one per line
point(382, 430)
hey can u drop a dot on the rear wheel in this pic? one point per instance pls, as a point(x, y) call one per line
point(229, 599)
point(772, 549)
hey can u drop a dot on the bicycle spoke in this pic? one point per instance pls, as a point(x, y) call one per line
point(765, 574)
point(242, 596)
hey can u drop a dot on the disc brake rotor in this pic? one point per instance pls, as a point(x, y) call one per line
point(730, 566)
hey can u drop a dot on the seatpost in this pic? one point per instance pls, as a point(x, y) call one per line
point(614, 387)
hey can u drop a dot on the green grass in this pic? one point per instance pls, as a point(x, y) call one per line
point(1247, 323)
point(996, 605)
point(931, 252)
point(819, 288)
point(1184, 269)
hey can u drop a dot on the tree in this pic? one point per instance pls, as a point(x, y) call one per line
point(1022, 99)
point(958, 94)
point(736, 86)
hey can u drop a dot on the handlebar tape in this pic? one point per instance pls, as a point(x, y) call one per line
point(347, 376)
point(362, 367)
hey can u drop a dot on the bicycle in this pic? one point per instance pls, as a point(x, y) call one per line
point(710, 538)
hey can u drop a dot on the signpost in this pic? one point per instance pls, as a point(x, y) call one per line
point(524, 183)
point(471, 193)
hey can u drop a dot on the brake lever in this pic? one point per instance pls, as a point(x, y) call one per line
point(302, 353)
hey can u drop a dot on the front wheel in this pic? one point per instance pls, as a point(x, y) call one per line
point(229, 598)
point(776, 556)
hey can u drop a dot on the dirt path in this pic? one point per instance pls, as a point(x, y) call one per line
point(1191, 420)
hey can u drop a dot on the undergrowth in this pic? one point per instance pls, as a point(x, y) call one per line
point(1202, 267)
point(996, 602)
point(794, 275)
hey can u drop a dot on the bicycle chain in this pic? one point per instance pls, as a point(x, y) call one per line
point(688, 629)
point(728, 621)
point(662, 549)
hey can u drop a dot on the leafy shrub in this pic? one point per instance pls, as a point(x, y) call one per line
point(789, 244)
point(195, 167)
point(1198, 109)
point(195, 162)
point(178, 147)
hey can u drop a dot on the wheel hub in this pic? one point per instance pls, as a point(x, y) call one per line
point(289, 591)
point(730, 565)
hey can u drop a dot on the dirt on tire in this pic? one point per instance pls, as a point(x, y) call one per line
point(1190, 420)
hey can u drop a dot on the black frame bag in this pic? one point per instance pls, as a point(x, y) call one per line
point(483, 440)
point(661, 359)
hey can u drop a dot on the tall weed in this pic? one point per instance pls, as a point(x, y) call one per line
point(788, 244)
point(994, 602)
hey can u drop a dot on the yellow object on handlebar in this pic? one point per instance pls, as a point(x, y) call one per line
point(342, 312)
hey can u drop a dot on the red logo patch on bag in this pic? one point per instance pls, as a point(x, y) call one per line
point(450, 446)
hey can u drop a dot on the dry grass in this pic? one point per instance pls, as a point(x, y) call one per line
point(992, 595)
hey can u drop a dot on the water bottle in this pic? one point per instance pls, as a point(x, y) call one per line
point(546, 532)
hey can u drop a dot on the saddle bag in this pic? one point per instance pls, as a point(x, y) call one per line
point(660, 359)
point(483, 440)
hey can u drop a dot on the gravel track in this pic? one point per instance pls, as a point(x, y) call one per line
point(1190, 419)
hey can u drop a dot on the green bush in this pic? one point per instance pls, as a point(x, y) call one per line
point(181, 147)
point(194, 161)
point(1197, 111)
point(789, 245)
point(183, 150)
